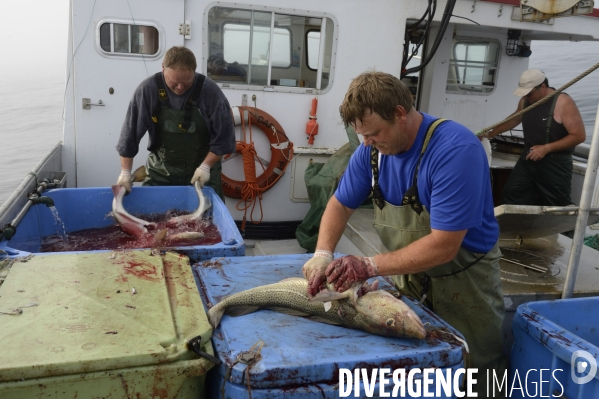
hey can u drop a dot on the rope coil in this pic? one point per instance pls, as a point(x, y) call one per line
point(251, 189)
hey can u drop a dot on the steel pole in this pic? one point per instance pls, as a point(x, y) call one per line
point(583, 214)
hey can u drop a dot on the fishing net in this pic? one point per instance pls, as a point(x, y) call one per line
point(592, 241)
point(589, 241)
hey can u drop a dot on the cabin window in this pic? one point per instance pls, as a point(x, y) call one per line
point(313, 46)
point(473, 66)
point(239, 35)
point(265, 48)
point(122, 38)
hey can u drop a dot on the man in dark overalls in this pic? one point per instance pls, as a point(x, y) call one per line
point(433, 210)
point(189, 123)
point(543, 173)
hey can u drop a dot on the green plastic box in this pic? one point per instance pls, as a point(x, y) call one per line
point(102, 325)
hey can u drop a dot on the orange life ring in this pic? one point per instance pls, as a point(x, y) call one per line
point(281, 152)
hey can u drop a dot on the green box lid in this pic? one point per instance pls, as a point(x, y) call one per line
point(84, 317)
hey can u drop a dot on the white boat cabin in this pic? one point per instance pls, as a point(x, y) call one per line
point(278, 56)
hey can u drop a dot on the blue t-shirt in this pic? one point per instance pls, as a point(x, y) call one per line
point(453, 182)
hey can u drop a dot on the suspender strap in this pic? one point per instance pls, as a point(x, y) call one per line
point(162, 96)
point(377, 196)
point(550, 118)
point(411, 195)
point(192, 102)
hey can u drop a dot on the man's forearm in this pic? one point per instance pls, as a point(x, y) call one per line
point(563, 144)
point(211, 159)
point(126, 163)
point(332, 224)
point(504, 127)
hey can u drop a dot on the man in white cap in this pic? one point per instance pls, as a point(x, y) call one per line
point(543, 173)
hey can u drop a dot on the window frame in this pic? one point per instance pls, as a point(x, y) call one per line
point(460, 89)
point(129, 56)
point(279, 11)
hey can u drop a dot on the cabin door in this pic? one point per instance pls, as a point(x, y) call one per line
point(116, 45)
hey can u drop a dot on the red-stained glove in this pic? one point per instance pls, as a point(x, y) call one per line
point(347, 270)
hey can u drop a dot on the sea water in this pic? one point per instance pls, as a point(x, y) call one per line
point(31, 107)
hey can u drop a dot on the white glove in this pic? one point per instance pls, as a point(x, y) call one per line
point(202, 174)
point(125, 179)
point(314, 270)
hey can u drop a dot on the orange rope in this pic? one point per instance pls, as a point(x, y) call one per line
point(251, 192)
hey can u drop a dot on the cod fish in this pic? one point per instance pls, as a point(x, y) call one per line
point(129, 223)
point(163, 235)
point(203, 202)
point(376, 312)
point(203, 205)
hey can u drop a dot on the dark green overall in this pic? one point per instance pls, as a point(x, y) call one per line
point(465, 292)
point(547, 181)
point(184, 142)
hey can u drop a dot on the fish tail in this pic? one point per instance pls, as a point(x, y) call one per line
point(140, 174)
point(215, 314)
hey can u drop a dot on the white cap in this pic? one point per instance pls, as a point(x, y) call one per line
point(528, 81)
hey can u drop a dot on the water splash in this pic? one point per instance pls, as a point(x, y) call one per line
point(59, 224)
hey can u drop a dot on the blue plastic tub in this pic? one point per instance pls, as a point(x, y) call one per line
point(85, 208)
point(548, 335)
point(301, 358)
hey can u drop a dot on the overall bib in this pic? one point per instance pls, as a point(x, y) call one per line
point(465, 292)
point(184, 142)
point(547, 181)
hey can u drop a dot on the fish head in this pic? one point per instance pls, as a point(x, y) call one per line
point(383, 314)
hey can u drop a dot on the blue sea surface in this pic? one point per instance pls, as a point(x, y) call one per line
point(31, 107)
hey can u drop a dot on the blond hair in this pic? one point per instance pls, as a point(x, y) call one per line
point(375, 92)
point(179, 57)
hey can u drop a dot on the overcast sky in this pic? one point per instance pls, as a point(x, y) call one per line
point(33, 36)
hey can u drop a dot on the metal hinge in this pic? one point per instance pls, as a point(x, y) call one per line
point(185, 29)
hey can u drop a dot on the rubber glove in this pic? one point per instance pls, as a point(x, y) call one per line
point(202, 174)
point(314, 270)
point(350, 269)
point(125, 179)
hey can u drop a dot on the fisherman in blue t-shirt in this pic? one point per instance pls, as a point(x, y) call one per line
point(433, 210)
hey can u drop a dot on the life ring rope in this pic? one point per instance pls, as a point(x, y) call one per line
point(250, 190)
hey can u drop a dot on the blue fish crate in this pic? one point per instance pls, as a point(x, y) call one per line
point(86, 208)
point(560, 337)
point(301, 358)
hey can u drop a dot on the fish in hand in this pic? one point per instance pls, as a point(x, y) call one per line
point(129, 223)
point(203, 205)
